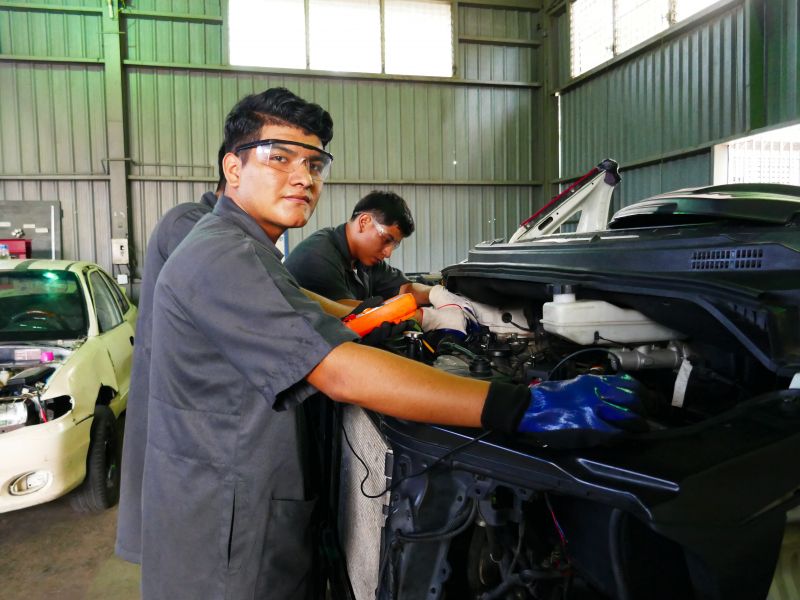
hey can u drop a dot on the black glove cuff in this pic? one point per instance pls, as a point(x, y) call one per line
point(505, 404)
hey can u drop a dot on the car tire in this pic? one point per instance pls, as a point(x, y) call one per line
point(100, 488)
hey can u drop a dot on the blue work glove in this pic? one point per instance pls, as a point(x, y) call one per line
point(586, 411)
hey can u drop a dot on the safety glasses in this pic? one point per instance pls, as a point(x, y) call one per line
point(388, 238)
point(286, 156)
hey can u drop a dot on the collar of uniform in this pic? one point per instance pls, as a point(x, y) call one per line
point(340, 238)
point(230, 211)
point(208, 199)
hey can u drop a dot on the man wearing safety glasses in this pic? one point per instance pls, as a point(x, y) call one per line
point(348, 263)
point(237, 346)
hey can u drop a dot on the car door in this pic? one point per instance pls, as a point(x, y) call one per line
point(115, 332)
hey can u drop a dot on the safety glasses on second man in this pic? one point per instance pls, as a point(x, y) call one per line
point(286, 156)
point(386, 237)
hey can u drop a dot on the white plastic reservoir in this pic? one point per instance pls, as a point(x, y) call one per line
point(580, 320)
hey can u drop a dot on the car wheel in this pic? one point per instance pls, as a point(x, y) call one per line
point(100, 489)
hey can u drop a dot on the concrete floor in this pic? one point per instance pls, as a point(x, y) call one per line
point(49, 552)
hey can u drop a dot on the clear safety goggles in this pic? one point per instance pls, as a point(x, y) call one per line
point(386, 237)
point(286, 156)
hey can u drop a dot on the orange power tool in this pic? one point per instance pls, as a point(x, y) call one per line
point(394, 310)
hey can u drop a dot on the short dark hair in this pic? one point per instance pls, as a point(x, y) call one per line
point(275, 106)
point(388, 208)
point(221, 182)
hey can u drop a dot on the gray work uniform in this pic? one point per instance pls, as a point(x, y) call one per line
point(170, 230)
point(225, 508)
point(322, 263)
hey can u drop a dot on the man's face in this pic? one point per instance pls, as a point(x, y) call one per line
point(278, 199)
point(376, 241)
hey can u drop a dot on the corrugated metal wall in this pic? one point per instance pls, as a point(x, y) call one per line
point(659, 109)
point(782, 60)
point(476, 139)
point(463, 154)
point(679, 94)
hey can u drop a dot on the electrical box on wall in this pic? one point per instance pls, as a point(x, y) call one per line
point(119, 251)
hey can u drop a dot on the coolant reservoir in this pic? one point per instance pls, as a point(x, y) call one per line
point(579, 320)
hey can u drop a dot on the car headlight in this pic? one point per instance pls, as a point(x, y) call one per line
point(29, 483)
point(13, 414)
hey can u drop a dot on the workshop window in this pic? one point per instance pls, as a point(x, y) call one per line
point(267, 33)
point(602, 29)
point(411, 37)
point(770, 157)
point(418, 38)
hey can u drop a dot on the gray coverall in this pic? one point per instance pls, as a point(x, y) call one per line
point(225, 507)
point(170, 230)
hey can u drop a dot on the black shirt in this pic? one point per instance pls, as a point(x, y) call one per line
point(322, 263)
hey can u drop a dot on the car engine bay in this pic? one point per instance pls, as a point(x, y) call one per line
point(24, 374)
point(706, 317)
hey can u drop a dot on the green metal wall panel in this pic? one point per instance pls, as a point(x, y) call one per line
point(52, 34)
point(52, 119)
point(463, 155)
point(179, 7)
point(499, 23)
point(782, 60)
point(162, 40)
point(384, 132)
point(681, 93)
point(403, 131)
point(641, 182)
point(482, 60)
point(585, 127)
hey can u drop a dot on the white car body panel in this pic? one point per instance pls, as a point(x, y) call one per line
point(60, 446)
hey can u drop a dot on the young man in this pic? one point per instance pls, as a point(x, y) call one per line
point(348, 263)
point(237, 346)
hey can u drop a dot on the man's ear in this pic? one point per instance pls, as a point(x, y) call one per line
point(362, 220)
point(232, 167)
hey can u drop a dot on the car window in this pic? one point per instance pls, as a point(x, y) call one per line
point(122, 301)
point(108, 315)
point(41, 305)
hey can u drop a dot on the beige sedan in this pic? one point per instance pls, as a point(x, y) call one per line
point(66, 345)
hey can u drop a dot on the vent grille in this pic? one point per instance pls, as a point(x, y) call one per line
point(728, 259)
point(361, 519)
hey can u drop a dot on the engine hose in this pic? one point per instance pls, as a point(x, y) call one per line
point(449, 531)
point(452, 345)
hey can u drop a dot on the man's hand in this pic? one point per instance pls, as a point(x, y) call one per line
point(581, 412)
point(420, 291)
point(585, 411)
point(385, 332)
point(449, 318)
